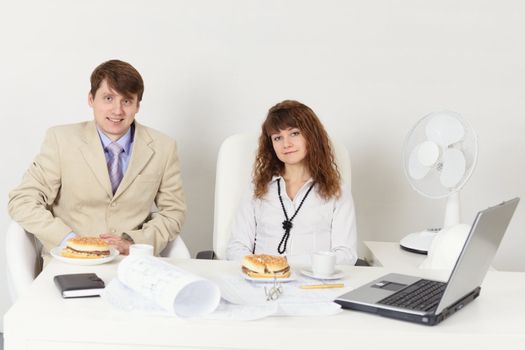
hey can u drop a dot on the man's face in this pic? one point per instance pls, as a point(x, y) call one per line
point(113, 112)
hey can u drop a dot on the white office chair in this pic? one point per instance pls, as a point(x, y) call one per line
point(176, 249)
point(234, 171)
point(24, 262)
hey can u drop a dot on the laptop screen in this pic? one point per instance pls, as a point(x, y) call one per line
point(479, 250)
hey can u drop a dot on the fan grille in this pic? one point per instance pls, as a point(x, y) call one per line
point(431, 185)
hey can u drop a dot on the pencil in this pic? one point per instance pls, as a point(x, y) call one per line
point(322, 286)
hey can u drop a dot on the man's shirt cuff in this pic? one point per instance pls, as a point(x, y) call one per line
point(68, 236)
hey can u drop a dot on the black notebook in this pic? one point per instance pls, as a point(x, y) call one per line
point(79, 285)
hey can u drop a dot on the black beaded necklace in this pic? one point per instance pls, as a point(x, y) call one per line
point(287, 224)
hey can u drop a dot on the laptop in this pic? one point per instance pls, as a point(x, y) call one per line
point(429, 302)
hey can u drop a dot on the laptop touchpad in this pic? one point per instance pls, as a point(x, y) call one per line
point(387, 285)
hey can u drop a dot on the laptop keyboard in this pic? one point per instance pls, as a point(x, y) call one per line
point(424, 295)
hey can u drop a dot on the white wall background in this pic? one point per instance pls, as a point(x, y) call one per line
point(370, 69)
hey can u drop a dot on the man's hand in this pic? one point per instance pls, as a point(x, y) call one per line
point(118, 242)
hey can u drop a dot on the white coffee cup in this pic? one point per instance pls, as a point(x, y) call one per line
point(323, 264)
point(141, 250)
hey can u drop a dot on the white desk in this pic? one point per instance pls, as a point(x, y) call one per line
point(41, 319)
point(390, 254)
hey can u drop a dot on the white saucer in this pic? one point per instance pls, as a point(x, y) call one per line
point(270, 279)
point(335, 276)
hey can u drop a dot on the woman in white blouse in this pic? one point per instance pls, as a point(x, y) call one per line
point(297, 203)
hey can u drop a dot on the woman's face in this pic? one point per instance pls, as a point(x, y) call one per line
point(289, 146)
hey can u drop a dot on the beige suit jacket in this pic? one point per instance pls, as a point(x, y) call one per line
point(67, 189)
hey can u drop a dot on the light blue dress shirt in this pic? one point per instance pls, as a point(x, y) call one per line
point(126, 142)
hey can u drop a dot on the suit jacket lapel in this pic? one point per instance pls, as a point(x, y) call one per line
point(141, 153)
point(94, 156)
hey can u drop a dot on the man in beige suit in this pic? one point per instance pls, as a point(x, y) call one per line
point(79, 184)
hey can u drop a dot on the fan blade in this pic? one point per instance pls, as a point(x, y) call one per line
point(453, 167)
point(416, 170)
point(428, 153)
point(445, 128)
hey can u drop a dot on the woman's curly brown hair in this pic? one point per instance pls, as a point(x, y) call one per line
point(319, 159)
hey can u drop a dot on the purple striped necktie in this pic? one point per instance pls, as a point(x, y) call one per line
point(114, 165)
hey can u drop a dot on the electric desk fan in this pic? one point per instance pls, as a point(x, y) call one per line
point(439, 155)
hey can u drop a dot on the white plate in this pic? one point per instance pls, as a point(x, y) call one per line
point(55, 253)
point(335, 276)
point(270, 279)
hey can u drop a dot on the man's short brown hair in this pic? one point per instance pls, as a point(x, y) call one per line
point(120, 76)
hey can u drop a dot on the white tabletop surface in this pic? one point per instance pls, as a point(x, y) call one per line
point(390, 254)
point(41, 319)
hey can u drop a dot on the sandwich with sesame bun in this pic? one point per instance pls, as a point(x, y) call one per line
point(265, 266)
point(86, 248)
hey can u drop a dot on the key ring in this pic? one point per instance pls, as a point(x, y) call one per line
point(274, 292)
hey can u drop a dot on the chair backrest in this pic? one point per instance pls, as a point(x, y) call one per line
point(23, 259)
point(233, 176)
point(176, 249)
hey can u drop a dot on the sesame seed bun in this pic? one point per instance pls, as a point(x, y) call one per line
point(265, 266)
point(86, 248)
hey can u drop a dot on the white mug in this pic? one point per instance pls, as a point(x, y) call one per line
point(323, 263)
point(141, 250)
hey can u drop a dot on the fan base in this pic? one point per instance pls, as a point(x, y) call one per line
point(418, 242)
